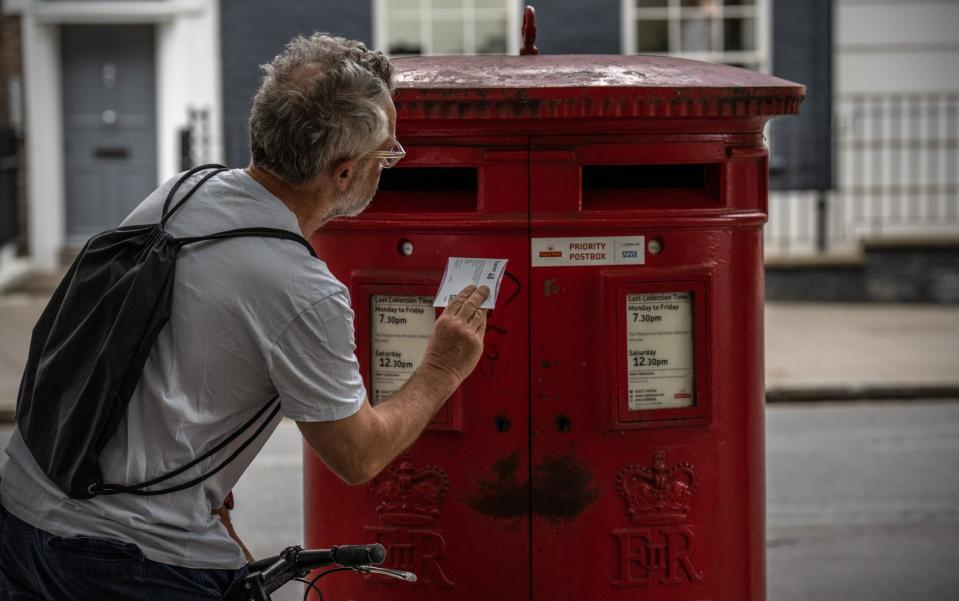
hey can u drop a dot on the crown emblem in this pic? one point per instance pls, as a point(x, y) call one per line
point(407, 496)
point(657, 495)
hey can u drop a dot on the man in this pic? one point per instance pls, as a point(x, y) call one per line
point(252, 318)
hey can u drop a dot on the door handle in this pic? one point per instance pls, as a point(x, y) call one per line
point(111, 152)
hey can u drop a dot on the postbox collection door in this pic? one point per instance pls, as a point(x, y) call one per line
point(454, 508)
point(645, 285)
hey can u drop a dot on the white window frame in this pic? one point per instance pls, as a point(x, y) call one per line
point(426, 14)
point(761, 57)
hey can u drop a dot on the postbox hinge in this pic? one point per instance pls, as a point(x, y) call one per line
point(529, 32)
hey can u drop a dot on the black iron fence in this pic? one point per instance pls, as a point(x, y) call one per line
point(896, 174)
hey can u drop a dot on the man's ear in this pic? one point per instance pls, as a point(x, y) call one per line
point(343, 173)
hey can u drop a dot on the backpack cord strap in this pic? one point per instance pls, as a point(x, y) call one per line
point(182, 180)
point(186, 197)
point(263, 232)
point(135, 489)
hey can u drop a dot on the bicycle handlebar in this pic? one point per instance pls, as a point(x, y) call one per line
point(270, 573)
point(359, 555)
point(344, 555)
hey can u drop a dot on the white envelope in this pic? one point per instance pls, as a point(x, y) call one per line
point(461, 272)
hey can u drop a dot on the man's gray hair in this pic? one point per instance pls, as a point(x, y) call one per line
point(322, 101)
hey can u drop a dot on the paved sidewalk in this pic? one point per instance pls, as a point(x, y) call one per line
point(832, 351)
point(814, 351)
point(18, 313)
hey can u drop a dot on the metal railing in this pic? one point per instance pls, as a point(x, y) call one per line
point(896, 174)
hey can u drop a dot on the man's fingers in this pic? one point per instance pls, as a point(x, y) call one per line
point(478, 316)
point(481, 294)
point(477, 321)
point(454, 305)
point(473, 301)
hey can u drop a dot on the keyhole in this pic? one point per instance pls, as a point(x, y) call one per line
point(563, 423)
point(502, 423)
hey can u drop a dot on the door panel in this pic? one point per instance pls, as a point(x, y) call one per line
point(109, 124)
point(619, 456)
point(455, 507)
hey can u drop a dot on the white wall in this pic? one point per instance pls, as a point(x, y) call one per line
point(188, 76)
point(896, 45)
point(43, 132)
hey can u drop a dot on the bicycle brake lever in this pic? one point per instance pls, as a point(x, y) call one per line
point(399, 574)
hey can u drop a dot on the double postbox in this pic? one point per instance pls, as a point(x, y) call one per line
point(609, 445)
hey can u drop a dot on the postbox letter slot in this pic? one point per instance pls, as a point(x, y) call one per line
point(426, 189)
point(625, 187)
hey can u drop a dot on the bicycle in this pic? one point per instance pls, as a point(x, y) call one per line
point(294, 563)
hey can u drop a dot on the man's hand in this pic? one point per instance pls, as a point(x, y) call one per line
point(457, 341)
point(358, 447)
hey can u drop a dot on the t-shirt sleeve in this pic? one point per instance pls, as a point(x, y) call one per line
point(313, 363)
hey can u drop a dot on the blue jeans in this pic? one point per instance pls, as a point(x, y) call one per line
point(38, 566)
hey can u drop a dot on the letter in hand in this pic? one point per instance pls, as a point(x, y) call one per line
point(457, 341)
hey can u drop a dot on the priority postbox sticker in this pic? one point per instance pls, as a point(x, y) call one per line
point(595, 250)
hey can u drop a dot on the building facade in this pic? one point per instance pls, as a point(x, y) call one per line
point(122, 94)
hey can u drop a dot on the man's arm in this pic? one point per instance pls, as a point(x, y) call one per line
point(358, 447)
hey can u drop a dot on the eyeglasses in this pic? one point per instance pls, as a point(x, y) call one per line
point(389, 157)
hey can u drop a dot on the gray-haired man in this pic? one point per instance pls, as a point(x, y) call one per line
point(252, 318)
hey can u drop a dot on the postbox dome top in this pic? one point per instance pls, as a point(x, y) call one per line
point(585, 86)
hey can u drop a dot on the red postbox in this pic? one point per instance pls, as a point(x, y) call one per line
point(610, 443)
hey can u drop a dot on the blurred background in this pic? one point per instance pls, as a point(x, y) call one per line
point(101, 100)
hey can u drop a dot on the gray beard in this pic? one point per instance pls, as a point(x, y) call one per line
point(351, 204)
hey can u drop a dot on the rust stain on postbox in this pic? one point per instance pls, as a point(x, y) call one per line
point(561, 489)
point(502, 494)
point(550, 288)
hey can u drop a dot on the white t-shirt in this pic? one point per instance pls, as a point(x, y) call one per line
point(251, 318)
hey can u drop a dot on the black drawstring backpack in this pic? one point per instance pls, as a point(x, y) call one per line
point(90, 345)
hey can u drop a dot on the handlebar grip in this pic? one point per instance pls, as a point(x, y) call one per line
point(358, 555)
